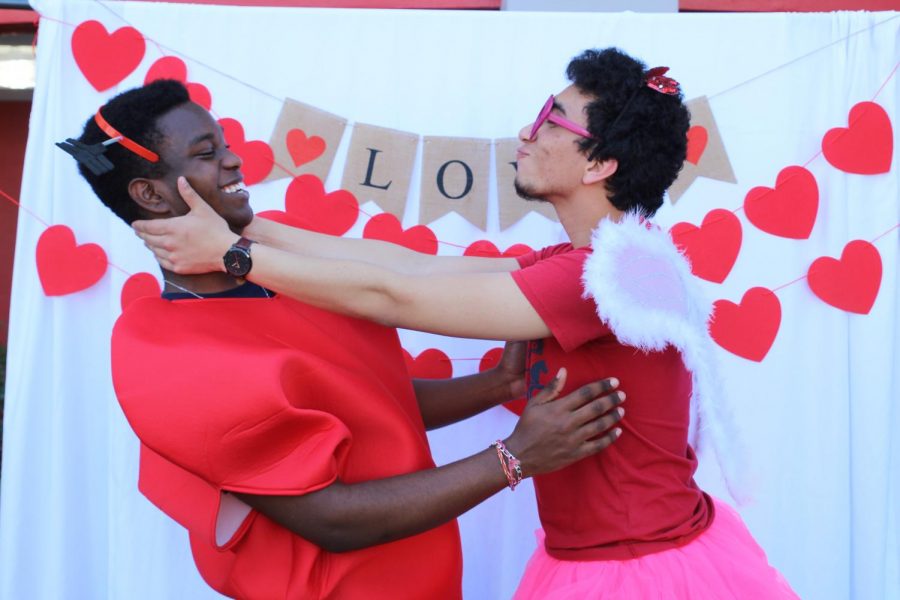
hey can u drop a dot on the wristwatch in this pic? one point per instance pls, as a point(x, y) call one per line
point(237, 259)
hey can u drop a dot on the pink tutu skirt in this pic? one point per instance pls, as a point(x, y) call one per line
point(722, 563)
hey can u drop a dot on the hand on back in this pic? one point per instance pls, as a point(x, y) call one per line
point(555, 432)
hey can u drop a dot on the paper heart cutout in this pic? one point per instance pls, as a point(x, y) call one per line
point(789, 210)
point(172, 67)
point(167, 67)
point(303, 149)
point(850, 283)
point(65, 267)
point(747, 329)
point(430, 364)
point(697, 138)
point(137, 286)
point(490, 360)
point(311, 208)
point(257, 155)
point(386, 227)
point(866, 146)
point(104, 58)
point(711, 248)
point(488, 249)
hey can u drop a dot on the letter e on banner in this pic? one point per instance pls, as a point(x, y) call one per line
point(379, 166)
point(455, 179)
point(706, 155)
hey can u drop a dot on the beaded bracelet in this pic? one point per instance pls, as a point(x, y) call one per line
point(511, 466)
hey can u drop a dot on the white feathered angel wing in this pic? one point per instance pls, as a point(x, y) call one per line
point(646, 294)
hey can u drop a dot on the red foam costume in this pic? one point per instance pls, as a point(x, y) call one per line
point(271, 396)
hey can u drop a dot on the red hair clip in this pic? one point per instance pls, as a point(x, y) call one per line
point(657, 81)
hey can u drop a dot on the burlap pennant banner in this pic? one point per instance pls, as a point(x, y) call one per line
point(706, 155)
point(380, 165)
point(512, 207)
point(305, 140)
point(455, 171)
point(455, 175)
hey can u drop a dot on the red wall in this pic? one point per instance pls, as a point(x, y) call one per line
point(418, 4)
point(685, 5)
point(786, 5)
point(14, 128)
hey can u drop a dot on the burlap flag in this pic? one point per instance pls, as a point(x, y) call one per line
point(706, 156)
point(379, 166)
point(455, 175)
point(305, 140)
point(513, 207)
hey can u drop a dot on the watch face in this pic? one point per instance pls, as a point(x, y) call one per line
point(237, 262)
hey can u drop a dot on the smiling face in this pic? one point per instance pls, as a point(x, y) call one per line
point(193, 146)
point(551, 164)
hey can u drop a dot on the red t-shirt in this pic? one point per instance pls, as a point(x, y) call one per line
point(271, 396)
point(637, 496)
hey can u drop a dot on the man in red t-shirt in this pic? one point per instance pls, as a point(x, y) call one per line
point(618, 298)
point(288, 440)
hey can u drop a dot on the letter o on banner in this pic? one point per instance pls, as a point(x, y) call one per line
point(470, 179)
point(455, 173)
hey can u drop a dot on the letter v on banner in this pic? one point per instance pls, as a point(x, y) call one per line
point(455, 174)
point(379, 166)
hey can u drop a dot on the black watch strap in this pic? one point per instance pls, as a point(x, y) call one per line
point(244, 243)
point(237, 260)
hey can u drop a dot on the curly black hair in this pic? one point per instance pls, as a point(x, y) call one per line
point(133, 113)
point(644, 130)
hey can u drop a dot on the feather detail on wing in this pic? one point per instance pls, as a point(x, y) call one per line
point(645, 292)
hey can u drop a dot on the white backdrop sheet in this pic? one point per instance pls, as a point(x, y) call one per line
point(821, 410)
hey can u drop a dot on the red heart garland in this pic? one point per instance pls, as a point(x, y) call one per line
point(65, 267)
point(303, 149)
point(430, 364)
point(713, 247)
point(866, 146)
point(697, 138)
point(790, 209)
point(257, 155)
point(490, 360)
point(311, 208)
point(137, 286)
point(199, 94)
point(172, 67)
point(851, 283)
point(106, 58)
point(488, 249)
point(386, 227)
point(747, 329)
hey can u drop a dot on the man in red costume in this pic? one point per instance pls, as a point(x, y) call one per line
point(289, 440)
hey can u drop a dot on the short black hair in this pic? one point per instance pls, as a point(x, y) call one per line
point(135, 114)
point(644, 130)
